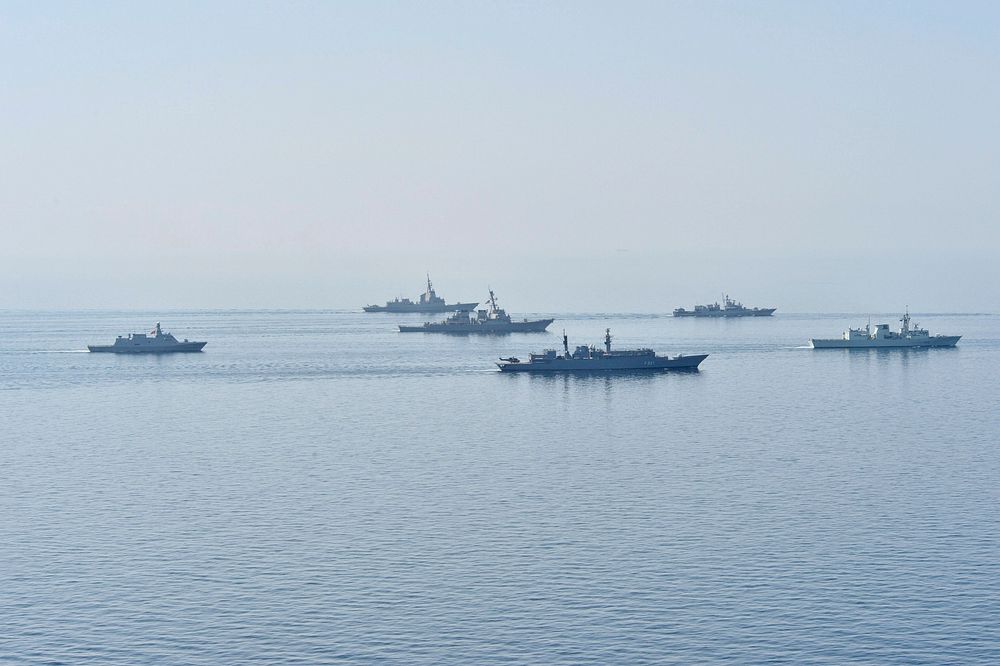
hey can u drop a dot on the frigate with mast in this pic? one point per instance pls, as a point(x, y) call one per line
point(429, 301)
point(493, 320)
point(882, 338)
point(156, 342)
point(729, 308)
point(595, 359)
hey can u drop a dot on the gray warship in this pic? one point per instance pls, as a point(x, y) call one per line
point(156, 342)
point(429, 302)
point(882, 338)
point(729, 308)
point(493, 320)
point(593, 359)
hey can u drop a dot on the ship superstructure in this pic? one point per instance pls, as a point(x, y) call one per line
point(429, 301)
point(881, 337)
point(595, 359)
point(156, 342)
point(729, 308)
point(493, 320)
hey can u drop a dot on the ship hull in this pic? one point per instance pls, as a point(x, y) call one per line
point(599, 365)
point(180, 347)
point(418, 307)
point(936, 341)
point(487, 328)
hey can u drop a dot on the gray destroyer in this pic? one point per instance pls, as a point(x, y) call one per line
point(493, 320)
point(593, 359)
point(882, 338)
point(729, 308)
point(428, 302)
point(156, 342)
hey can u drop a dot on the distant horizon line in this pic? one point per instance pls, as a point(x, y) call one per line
point(341, 310)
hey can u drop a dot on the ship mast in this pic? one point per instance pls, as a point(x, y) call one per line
point(493, 301)
point(565, 342)
point(607, 339)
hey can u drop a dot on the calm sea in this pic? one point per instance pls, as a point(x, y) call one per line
point(318, 488)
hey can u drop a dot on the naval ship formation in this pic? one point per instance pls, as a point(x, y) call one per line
point(882, 338)
point(493, 320)
point(729, 308)
point(428, 302)
point(594, 359)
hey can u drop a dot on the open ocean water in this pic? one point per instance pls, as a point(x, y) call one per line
point(317, 488)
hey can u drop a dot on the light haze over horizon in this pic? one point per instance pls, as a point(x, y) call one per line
point(839, 157)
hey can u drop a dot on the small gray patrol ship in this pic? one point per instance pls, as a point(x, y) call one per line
point(493, 320)
point(882, 338)
point(593, 359)
point(157, 342)
point(429, 302)
point(729, 308)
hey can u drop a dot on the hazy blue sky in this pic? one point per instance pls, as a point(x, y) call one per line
point(576, 156)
